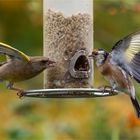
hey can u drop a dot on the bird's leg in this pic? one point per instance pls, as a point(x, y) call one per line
point(10, 85)
point(104, 88)
point(110, 88)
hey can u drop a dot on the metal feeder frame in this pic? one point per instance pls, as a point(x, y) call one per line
point(70, 93)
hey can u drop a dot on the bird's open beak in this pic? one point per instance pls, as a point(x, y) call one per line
point(51, 63)
point(94, 53)
point(91, 56)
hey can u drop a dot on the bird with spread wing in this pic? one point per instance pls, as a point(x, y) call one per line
point(20, 67)
point(121, 65)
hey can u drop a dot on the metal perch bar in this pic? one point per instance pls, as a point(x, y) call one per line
point(70, 93)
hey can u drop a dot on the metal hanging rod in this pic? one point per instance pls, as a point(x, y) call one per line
point(70, 93)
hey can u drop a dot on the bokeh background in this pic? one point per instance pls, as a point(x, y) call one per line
point(108, 118)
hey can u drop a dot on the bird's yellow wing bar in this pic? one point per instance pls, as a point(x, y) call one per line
point(126, 54)
point(133, 48)
point(12, 52)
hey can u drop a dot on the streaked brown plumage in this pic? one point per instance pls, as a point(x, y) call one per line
point(112, 72)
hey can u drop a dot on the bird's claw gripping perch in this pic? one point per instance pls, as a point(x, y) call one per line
point(20, 93)
point(106, 88)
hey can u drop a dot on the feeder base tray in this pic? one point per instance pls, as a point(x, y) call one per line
point(69, 93)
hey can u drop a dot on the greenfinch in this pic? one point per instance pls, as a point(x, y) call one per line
point(20, 67)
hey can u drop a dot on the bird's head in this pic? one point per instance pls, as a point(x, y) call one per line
point(99, 55)
point(40, 63)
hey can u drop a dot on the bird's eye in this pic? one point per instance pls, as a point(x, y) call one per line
point(43, 61)
point(96, 53)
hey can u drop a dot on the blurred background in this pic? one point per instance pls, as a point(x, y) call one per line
point(109, 118)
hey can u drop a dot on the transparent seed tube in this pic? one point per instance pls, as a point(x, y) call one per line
point(68, 40)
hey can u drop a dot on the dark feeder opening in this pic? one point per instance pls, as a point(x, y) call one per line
point(82, 64)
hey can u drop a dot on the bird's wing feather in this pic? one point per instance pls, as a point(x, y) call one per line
point(12, 52)
point(126, 54)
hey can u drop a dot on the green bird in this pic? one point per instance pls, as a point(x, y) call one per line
point(20, 67)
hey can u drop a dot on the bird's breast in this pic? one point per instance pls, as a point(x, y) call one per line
point(105, 69)
point(116, 74)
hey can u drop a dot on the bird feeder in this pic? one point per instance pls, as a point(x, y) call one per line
point(68, 40)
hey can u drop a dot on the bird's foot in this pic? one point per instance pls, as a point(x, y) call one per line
point(107, 88)
point(20, 94)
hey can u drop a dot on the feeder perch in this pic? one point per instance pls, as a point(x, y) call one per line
point(70, 93)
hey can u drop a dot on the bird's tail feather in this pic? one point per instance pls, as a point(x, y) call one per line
point(136, 106)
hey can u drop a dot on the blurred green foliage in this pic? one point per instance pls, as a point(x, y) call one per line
point(111, 118)
point(21, 26)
